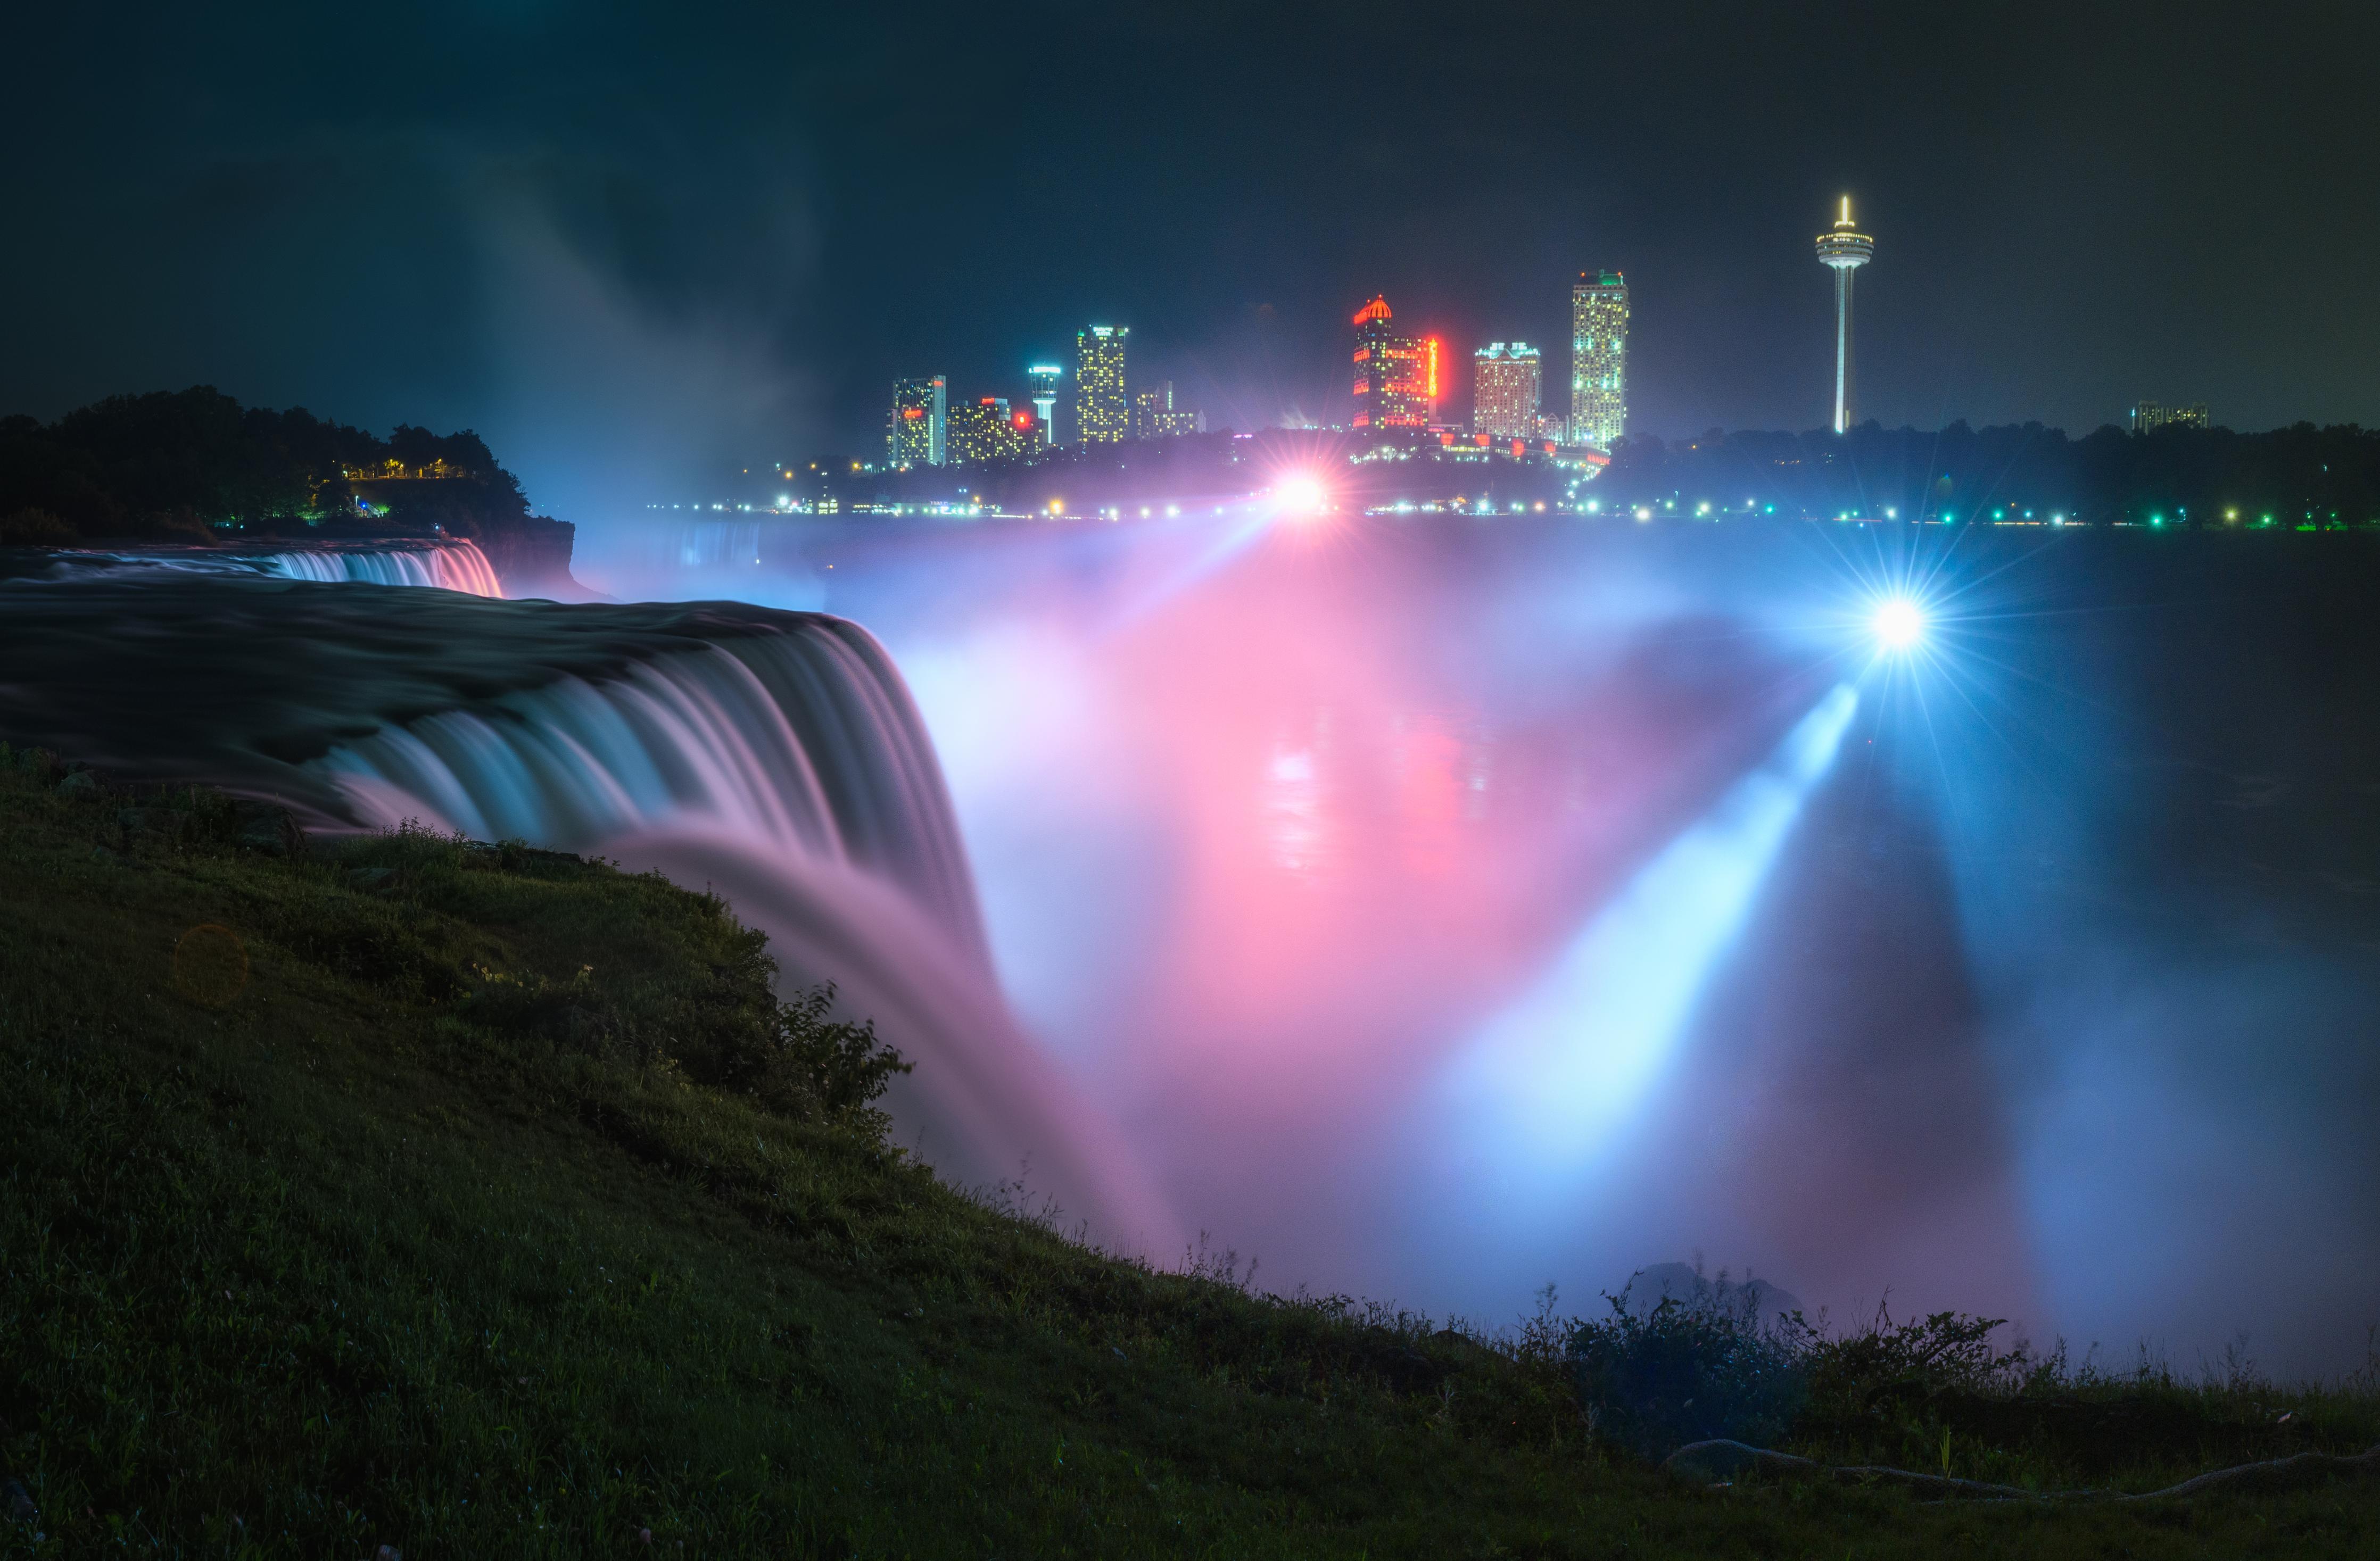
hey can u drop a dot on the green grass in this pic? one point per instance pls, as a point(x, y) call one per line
point(501, 1212)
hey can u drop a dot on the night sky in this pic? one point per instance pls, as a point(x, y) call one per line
point(630, 246)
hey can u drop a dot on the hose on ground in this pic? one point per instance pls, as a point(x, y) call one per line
point(1716, 1459)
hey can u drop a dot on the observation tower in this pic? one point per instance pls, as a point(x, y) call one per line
point(1044, 378)
point(1843, 249)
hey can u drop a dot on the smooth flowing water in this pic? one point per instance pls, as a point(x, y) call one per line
point(456, 565)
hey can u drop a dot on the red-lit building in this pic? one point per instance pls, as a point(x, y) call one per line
point(1396, 377)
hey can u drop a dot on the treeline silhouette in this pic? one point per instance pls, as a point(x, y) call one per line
point(2293, 477)
point(195, 464)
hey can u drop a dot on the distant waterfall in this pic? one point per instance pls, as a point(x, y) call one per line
point(454, 566)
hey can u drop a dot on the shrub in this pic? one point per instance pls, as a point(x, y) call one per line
point(1688, 1371)
point(34, 528)
point(802, 1062)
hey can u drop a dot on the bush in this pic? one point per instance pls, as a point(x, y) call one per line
point(1689, 1371)
point(803, 1063)
point(34, 528)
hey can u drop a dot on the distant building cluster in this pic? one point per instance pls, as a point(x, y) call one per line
point(926, 427)
point(1154, 416)
point(2150, 415)
point(1397, 382)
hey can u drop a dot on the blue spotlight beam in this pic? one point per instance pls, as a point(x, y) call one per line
point(1545, 1085)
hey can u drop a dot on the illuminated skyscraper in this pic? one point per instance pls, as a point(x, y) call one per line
point(1102, 413)
point(1396, 377)
point(1843, 249)
point(1598, 358)
point(986, 429)
point(1044, 378)
point(919, 425)
point(1505, 385)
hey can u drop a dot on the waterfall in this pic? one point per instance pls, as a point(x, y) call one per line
point(774, 758)
point(788, 771)
point(454, 566)
point(804, 742)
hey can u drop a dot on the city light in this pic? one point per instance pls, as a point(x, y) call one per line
point(1900, 624)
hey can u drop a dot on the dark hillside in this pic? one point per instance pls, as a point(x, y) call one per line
point(483, 1201)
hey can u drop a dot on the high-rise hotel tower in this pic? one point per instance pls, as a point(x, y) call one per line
point(919, 426)
point(1598, 358)
point(1505, 385)
point(1396, 377)
point(1843, 249)
point(1102, 411)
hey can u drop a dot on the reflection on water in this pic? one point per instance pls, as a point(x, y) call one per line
point(1274, 831)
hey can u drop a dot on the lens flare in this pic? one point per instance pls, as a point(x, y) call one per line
point(1301, 493)
point(1900, 624)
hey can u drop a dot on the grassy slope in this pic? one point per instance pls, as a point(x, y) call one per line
point(364, 1256)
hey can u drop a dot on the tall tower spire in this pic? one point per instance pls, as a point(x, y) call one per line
point(1843, 251)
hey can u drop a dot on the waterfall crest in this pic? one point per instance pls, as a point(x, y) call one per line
point(454, 567)
point(803, 742)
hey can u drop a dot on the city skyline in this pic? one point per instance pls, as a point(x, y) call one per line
point(619, 305)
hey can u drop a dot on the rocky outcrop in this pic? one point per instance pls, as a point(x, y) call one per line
point(531, 556)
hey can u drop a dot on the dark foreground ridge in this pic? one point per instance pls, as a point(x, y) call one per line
point(480, 1201)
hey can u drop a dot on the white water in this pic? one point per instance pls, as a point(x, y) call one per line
point(454, 566)
point(790, 772)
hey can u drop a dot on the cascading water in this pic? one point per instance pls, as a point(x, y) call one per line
point(788, 771)
point(776, 758)
point(801, 743)
point(454, 566)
